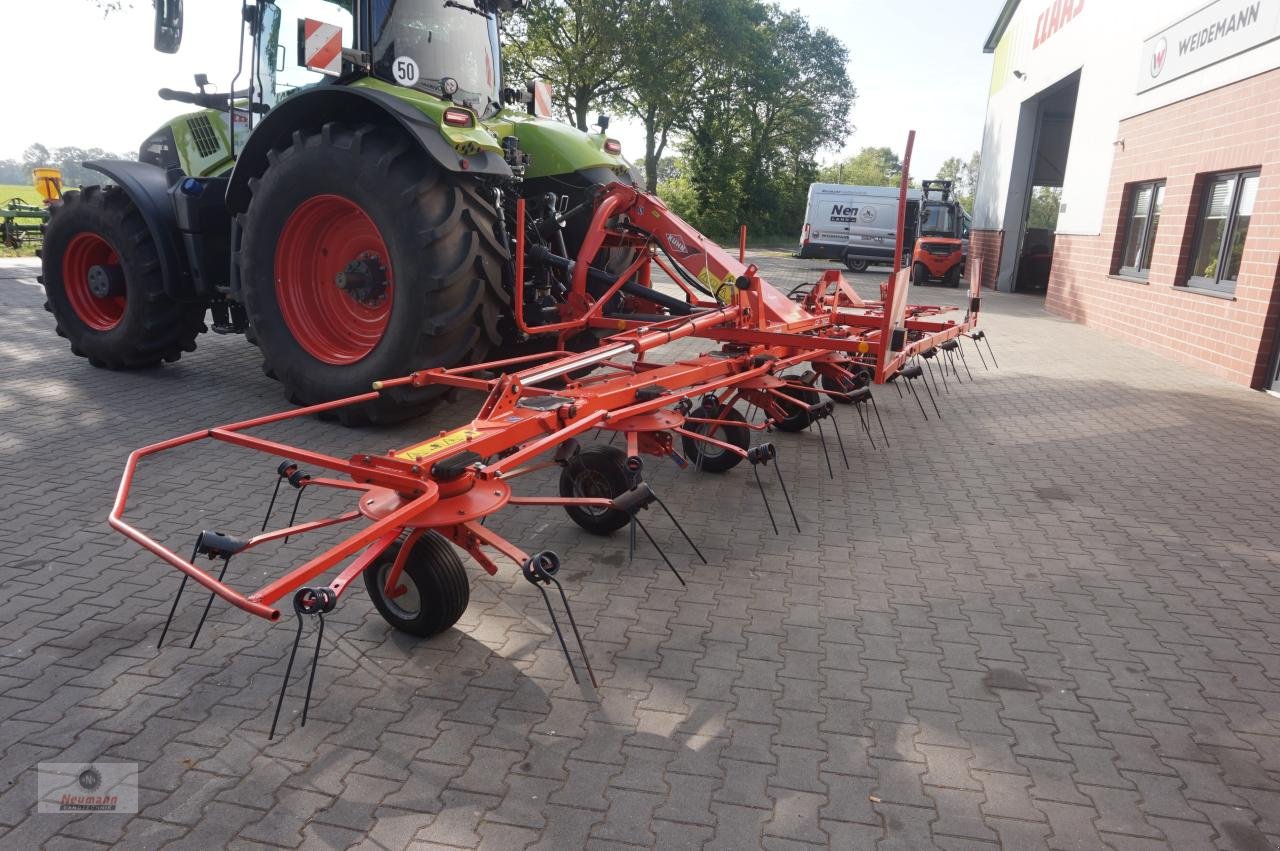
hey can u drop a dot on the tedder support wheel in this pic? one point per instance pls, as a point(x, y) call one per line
point(435, 583)
point(855, 265)
point(708, 456)
point(104, 287)
point(598, 472)
point(363, 259)
point(797, 418)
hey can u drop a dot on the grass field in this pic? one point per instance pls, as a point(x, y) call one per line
point(29, 195)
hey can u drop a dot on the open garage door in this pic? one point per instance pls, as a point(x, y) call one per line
point(1044, 135)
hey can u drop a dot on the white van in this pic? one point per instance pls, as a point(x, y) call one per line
point(857, 225)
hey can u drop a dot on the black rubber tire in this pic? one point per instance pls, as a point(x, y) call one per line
point(919, 274)
point(153, 327)
point(447, 262)
point(434, 574)
point(713, 459)
point(597, 471)
point(854, 264)
point(952, 278)
point(798, 419)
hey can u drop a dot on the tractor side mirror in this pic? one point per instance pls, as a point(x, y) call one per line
point(168, 25)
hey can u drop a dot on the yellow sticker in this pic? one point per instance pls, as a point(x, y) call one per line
point(444, 441)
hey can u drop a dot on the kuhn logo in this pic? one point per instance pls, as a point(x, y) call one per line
point(678, 245)
point(1158, 57)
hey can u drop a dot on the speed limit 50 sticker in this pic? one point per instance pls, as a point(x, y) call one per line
point(405, 71)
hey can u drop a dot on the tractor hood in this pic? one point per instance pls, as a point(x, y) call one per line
point(553, 146)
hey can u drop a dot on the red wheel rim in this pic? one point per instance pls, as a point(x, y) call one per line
point(319, 241)
point(86, 250)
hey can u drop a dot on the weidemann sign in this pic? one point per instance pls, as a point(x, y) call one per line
point(1218, 31)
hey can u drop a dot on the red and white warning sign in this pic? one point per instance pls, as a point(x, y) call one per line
point(542, 99)
point(322, 47)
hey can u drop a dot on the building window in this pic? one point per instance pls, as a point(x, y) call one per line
point(1221, 230)
point(1145, 202)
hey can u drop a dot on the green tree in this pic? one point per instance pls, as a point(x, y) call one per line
point(575, 45)
point(774, 93)
point(868, 167)
point(1043, 209)
point(662, 70)
point(964, 176)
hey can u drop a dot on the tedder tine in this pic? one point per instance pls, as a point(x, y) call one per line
point(822, 436)
point(176, 597)
point(840, 438)
point(928, 362)
point(763, 454)
point(215, 545)
point(288, 670)
point(964, 360)
point(910, 374)
point(540, 570)
point(982, 335)
point(927, 389)
point(859, 398)
point(636, 521)
point(658, 499)
point(306, 601)
point(876, 410)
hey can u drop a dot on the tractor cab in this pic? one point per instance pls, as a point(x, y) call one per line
point(449, 50)
point(941, 228)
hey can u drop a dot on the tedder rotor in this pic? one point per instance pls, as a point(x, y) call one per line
point(413, 507)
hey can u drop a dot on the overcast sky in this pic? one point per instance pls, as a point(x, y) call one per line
point(91, 82)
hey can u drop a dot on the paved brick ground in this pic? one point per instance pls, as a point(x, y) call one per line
point(1050, 619)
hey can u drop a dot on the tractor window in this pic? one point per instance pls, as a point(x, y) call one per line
point(289, 72)
point(420, 42)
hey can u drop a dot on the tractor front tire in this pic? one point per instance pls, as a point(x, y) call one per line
point(436, 587)
point(104, 287)
point(363, 259)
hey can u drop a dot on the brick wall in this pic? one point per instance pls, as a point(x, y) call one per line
point(984, 256)
point(1230, 128)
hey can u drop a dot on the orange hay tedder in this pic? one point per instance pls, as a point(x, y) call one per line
point(414, 504)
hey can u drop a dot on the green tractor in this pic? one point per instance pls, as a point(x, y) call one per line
point(348, 203)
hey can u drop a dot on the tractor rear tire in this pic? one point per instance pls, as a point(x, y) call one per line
point(797, 418)
point(125, 320)
point(415, 246)
point(437, 589)
point(598, 472)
